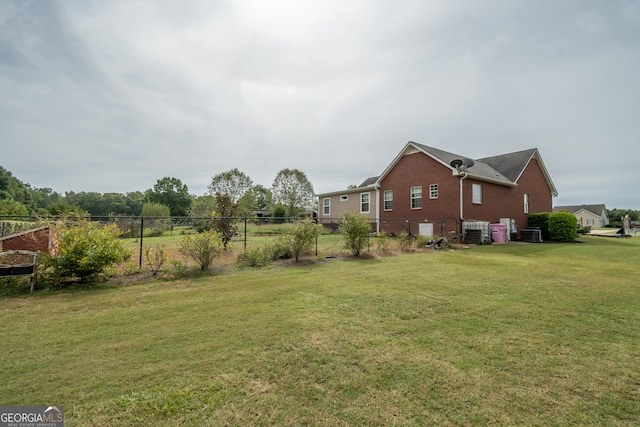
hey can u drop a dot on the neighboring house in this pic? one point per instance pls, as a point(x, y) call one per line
point(425, 188)
point(587, 215)
point(363, 199)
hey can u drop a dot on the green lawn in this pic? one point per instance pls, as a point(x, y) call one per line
point(517, 334)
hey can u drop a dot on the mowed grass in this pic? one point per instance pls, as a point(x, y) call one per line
point(517, 334)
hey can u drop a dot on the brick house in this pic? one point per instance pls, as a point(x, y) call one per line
point(425, 190)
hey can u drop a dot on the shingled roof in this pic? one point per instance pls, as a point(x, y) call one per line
point(594, 209)
point(504, 169)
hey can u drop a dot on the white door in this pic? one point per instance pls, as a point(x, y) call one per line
point(425, 229)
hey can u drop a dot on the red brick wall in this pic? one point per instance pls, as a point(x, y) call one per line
point(414, 170)
point(33, 241)
point(497, 201)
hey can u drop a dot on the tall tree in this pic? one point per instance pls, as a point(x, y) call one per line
point(256, 198)
point(173, 193)
point(292, 189)
point(233, 182)
point(135, 201)
point(203, 206)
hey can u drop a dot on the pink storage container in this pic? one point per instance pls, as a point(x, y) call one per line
point(498, 233)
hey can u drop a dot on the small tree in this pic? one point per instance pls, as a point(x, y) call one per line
point(155, 258)
point(225, 218)
point(302, 237)
point(204, 248)
point(84, 250)
point(354, 228)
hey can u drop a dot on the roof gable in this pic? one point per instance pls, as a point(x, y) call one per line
point(480, 170)
point(504, 169)
point(598, 210)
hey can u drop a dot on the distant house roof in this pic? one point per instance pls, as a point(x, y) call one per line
point(369, 181)
point(597, 210)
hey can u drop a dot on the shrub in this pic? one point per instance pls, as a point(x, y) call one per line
point(280, 248)
point(383, 240)
point(301, 238)
point(540, 220)
point(563, 226)
point(354, 228)
point(404, 240)
point(84, 249)
point(422, 241)
point(256, 257)
point(179, 267)
point(203, 248)
point(155, 257)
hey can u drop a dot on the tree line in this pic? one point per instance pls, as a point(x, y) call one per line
point(290, 194)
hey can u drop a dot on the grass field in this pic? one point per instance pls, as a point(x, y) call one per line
point(517, 334)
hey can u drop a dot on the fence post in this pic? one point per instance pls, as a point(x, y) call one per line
point(245, 234)
point(141, 233)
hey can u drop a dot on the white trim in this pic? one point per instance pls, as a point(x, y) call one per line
point(368, 194)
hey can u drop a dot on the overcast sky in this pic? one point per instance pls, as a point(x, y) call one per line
point(110, 96)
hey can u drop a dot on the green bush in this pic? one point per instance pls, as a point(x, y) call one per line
point(404, 240)
point(203, 248)
point(280, 248)
point(563, 226)
point(84, 249)
point(301, 238)
point(155, 258)
point(354, 228)
point(422, 241)
point(257, 257)
point(383, 240)
point(541, 220)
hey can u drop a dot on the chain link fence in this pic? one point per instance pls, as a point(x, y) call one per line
point(143, 236)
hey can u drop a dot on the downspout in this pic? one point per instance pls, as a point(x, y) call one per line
point(378, 209)
point(462, 200)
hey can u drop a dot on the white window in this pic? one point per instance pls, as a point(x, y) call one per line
point(476, 194)
point(326, 202)
point(416, 197)
point(590, 222)
point(364, 202)
point(344, 197)
point(388, 200)
point(526, 203)
point(433, 191)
